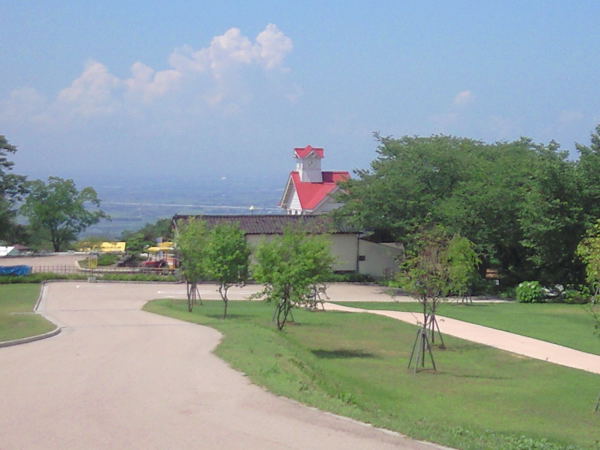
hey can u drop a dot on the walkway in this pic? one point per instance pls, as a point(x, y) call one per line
point(533, 348)
point(119, 377)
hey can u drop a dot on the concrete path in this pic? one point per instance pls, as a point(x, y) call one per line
point(533, 348)
point(118, 377)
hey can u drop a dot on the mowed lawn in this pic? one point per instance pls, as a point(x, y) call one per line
point(355, 365)
point(559, 323)
point(17, 319)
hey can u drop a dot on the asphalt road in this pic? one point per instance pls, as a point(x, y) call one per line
point(119, 377)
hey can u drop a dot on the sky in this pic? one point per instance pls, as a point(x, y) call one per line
point(118, 91)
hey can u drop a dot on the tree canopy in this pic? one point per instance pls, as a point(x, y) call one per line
point(12, 189)
point(525, 206)
point(191, 240)
point(58, 211)
point(290, 266)
point(227, 258)
point(139, 240)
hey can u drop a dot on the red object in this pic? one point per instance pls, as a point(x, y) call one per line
point(311, 194)
point(156, 264)
point(304, 152)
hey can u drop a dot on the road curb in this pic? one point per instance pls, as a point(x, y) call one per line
point(38, 337)
point(31, 338)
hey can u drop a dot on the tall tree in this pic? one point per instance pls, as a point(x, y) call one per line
point(227, 258)
point(424, 274)
point(191, 241)
point(588, 168)
point(59, 211)
point(290, 266)
point(462, 261)
point(518, 202)
point(589, 252)
point(551, 218)
point(12, 189)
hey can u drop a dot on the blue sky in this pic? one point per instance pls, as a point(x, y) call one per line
point(136, 90)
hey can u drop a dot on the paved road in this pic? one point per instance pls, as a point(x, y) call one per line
point(118, 377)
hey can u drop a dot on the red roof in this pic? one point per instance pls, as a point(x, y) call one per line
point(311, 194)
point(304, 152)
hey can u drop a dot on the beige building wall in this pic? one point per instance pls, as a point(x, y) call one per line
point(343, 249)
point(380, 260)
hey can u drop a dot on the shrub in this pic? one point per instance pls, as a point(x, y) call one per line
point(137, 277)
point(577, 296)
point(350, 277)
point(39, 277)
point(530, 292)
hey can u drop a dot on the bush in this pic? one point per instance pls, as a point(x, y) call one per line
point(530, 292)
point(107, 259)
point(136, 277)
point(350, 277)
point(577, 296)
point(40, 277)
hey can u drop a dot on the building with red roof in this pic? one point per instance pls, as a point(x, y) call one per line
point(309, 189)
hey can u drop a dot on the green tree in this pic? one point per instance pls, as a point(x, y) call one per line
point(58, 211)
point(12, 190)
point(462, 262)
point(139, 240)
point(551, 218)
point(191, 242)
point(520, 203)
point(290, 266)
point(424, 274)
point(227, 258)
point(589, 252)
point(588, 169)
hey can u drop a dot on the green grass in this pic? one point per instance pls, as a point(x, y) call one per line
point(559, 323)
point(17, 319)
point(355, 365)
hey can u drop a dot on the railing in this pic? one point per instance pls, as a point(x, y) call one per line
point(69, 269)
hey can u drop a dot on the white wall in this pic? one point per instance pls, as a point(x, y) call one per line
point(380, 259)
point(343, 249)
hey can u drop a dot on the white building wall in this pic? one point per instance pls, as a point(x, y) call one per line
point(294, 207)
point(380, 260)
point(343, 249)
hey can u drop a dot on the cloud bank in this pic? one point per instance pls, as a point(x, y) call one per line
point(212, 72)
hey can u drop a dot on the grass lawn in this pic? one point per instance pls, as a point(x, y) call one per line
point(559, 323)
point(355, 365)
point(17, 319)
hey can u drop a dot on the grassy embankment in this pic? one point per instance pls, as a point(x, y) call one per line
point(355, 365)
point(559, 323)
point(17, 319)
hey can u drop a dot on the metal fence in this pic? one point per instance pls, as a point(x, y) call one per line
point(70, 269)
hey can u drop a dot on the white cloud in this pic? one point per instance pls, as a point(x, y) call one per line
point(98, 92)
point(150, 84)
point(463, 98)
point(92, 92)
point(272, 46)
point(232, 49)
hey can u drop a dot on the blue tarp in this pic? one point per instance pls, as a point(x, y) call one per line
point(15, 270)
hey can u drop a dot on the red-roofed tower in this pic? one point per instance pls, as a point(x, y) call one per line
point(309, 189)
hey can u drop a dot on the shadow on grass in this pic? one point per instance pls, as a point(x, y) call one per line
point(466, 375)
point(229, 316)
point(342, 353)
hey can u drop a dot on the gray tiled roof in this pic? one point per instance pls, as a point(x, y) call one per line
point(274, 224)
